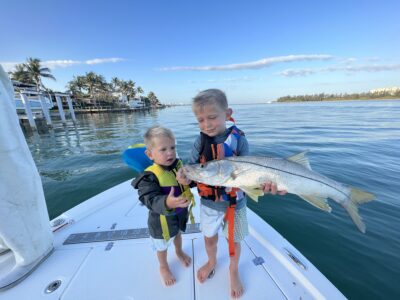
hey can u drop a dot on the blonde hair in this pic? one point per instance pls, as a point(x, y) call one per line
point(210, 97)
point(154, 132)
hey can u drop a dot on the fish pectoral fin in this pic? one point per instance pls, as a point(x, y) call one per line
point(301, 159)
point(319, 202)
point(253, 192)
point(240, 172)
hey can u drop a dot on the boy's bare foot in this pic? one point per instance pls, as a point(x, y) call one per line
point(236, 284)
point(167, 276)
point(184, 258)
point(204, 272)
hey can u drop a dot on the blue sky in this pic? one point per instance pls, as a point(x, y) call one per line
point(255, 51)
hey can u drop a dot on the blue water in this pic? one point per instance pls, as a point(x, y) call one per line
point(355, 142)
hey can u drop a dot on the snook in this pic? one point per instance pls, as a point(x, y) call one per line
point(293, 174)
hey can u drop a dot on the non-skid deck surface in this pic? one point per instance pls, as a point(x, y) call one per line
point(130, 271)
point(115, 235)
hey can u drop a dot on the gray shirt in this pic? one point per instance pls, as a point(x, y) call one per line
point(242, 149)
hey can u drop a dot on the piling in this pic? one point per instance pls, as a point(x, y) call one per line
point(28, 110)
point(71, 108)
point(45, 109)
point(60, 109)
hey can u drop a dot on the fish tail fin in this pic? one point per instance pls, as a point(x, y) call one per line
point(357, 197)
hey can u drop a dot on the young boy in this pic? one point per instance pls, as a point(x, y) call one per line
point(220, 207)
point(161, 194)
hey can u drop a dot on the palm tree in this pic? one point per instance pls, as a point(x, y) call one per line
point(131, 91)
point(153, 99)
point(76, 85)
point(35, 72)
point(90, 83)
point(139, 90)
point(116, 82)
point(20, 74)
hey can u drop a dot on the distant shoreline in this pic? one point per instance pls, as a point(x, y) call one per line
point(287, 101)
point(340, 99)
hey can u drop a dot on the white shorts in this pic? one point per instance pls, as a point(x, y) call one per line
point(212, 220)
point(161, 244)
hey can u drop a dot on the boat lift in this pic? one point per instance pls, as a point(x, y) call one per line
point(31, 101)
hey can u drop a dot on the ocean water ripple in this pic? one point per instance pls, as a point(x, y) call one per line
point(354, 142)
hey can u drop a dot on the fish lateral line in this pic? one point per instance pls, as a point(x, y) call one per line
point(287, 172)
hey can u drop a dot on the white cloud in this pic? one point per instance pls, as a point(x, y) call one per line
point(348, 68)
point(103, 60)
point(299, 72)
point(258, 64)
point(8, 66)
point(64, 63)
point(61, 63)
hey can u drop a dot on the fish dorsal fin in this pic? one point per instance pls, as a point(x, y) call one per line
point(319, 202)
point(301, 159)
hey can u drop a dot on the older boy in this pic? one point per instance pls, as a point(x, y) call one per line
point(161, 194)
point(220, 207)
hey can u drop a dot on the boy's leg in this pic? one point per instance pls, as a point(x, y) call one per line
point(236, 283)
point(183, 257)
point(241, 230)
point(208, 267)
point(211, 220)
point(165, 272)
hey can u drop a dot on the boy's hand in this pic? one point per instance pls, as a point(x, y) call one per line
point(181, 178)
point(270, 188)
point(174, 202)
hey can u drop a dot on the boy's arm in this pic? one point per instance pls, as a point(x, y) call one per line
point(195, 152)
point(150, 193)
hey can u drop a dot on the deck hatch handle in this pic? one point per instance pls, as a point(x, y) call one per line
point(109, 246)
point(258, 261)
point(52, 286)
point(295, 259)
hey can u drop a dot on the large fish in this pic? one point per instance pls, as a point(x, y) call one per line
point(293, 174)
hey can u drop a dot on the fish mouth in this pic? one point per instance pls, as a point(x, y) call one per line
point(190, 172)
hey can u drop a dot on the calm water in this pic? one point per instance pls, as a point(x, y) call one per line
point(353, 142)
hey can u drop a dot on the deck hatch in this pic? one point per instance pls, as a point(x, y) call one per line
point(115, 235)
point(258, 261)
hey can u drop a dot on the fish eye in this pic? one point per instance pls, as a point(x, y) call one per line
point(201, 166)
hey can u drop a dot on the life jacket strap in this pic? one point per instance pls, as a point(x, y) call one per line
point(230, 218)
point(164, 228)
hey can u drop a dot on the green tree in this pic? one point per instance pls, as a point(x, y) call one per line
point(115, 82)
point(36, 72)
point(139, 90)
point(77, 85)
point(153, 99)
point(20, 74)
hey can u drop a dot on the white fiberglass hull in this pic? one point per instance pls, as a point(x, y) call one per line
point(114, 268)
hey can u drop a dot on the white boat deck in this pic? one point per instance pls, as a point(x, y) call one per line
point(128, 268)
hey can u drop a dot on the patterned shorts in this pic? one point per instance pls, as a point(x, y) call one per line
point(212, 220)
